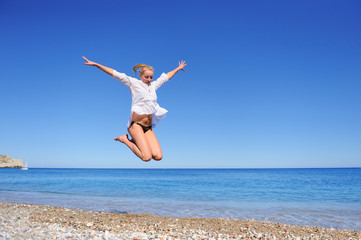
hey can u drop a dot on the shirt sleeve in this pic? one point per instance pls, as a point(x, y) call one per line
point(128, 81)
point(160, 81)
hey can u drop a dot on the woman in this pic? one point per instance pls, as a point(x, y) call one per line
point(145, 111)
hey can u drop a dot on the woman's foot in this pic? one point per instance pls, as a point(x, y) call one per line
point(122, 138)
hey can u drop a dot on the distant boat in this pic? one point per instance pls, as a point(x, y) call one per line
point(25, 167)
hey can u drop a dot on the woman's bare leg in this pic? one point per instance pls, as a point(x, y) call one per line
point(139, 144)
point(154, 145)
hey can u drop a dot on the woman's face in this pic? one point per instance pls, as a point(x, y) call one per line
point(147, 76)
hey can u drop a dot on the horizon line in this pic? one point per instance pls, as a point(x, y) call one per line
point(190, 168)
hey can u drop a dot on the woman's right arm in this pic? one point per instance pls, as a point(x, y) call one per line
point(128, 81)
point(101, 67)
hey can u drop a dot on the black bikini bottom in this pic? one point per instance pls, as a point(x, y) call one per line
point(145, 128)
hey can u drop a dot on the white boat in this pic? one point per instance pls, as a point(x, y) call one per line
point(25, 167)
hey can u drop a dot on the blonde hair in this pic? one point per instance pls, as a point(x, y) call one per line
point(141, 68)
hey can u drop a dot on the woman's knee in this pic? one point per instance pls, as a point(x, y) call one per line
point(146, 157)
point(158, 157)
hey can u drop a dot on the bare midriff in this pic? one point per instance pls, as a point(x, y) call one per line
point(144, 119)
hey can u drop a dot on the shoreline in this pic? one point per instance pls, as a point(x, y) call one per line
point(24, 221)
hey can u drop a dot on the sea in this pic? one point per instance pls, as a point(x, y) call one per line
point(328, 198)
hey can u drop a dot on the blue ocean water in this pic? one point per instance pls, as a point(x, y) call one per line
point(315, 197)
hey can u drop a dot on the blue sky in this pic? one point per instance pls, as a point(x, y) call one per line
point(268, 84)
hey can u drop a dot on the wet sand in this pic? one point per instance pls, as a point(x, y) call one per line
point(21, 221)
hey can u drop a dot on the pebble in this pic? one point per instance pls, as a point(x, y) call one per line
point(19, 221)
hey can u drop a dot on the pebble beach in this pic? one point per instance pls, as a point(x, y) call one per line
point(21, 221)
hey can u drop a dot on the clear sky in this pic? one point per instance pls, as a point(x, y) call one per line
point(269, 84)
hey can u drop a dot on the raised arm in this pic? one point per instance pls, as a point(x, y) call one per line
point(101, 67)
point(181, 66)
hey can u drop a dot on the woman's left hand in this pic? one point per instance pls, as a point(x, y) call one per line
point(182, 64)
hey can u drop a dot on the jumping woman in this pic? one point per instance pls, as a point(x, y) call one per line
point(145, 111)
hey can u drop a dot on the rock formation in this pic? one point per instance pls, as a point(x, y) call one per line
point(7, 162)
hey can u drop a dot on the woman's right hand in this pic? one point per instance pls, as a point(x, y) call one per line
point(101, 67)
point(90, 63)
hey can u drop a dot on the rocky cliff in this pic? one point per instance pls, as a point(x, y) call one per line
point(8, 162)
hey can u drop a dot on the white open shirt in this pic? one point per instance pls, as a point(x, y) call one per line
point(144, 97)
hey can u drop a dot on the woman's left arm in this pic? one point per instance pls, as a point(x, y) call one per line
point(181, 66)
